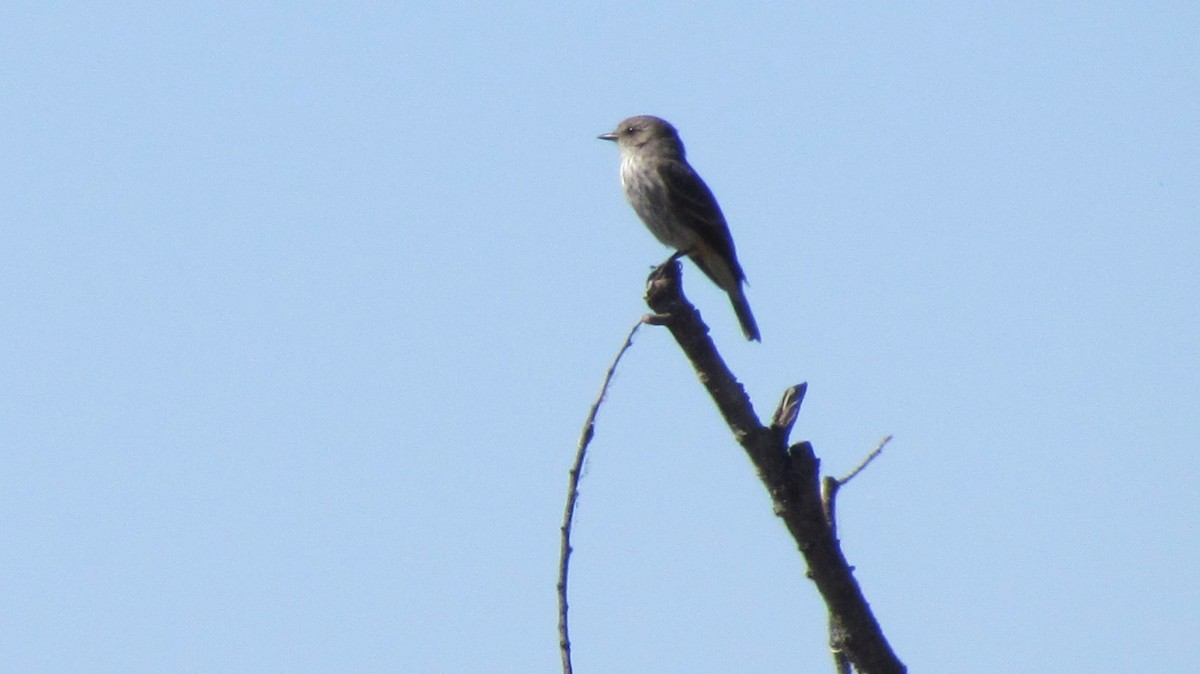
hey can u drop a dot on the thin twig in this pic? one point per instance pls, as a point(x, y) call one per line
point(564, 555)
point(870, 457)
point(831, 485)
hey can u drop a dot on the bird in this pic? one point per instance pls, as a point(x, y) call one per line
point(677, 206)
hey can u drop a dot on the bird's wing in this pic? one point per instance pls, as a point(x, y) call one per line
point(697, 209)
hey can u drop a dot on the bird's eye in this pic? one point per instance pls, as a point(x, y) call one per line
point(630, 129)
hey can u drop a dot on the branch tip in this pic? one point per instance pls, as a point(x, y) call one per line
point(656, 319)
point(789, 409)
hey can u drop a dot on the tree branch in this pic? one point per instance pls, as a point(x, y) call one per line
point(564, 554)
point(831, 485)
point(791, 475)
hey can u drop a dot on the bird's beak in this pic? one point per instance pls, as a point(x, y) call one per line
point(607, 136)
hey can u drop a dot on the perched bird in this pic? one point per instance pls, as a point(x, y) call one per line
point(678, 208)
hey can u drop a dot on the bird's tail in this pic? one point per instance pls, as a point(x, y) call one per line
point(742, 308)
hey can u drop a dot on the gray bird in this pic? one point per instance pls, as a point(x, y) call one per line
point(677, 207)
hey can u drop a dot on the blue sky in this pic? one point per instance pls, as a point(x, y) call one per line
point(304, 307)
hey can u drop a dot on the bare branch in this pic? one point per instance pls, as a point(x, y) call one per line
point(865, 462)
point(790, 474)
point(831, 485)
point(564, 555)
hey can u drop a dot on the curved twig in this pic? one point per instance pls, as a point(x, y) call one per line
point(564, 555)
